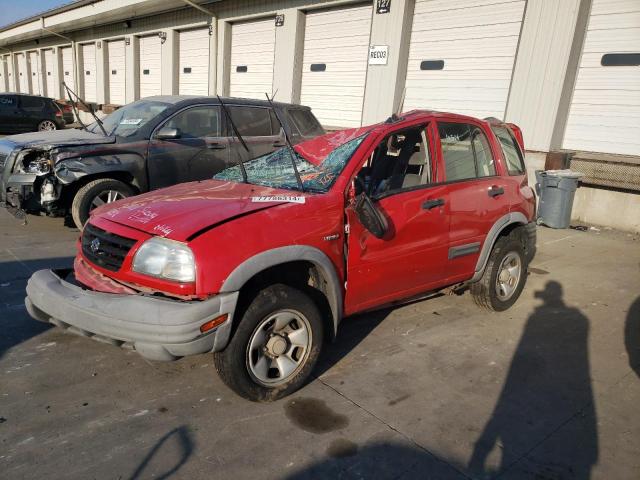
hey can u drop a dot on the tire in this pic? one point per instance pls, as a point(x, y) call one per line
point(239, 363)
point(105, 190)
point(492, 292)
point(47, 126)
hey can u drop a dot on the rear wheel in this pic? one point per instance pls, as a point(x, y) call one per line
point(275, 346)
point(47, 126)
point(95, 194)
point(504, 276)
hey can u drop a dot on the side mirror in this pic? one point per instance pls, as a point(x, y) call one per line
point(371, 218)
point(168, 133)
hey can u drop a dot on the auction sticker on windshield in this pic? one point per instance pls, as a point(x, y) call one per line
point(130, 121)
point(278, 198)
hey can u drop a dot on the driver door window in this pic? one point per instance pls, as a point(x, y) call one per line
point(197, 122)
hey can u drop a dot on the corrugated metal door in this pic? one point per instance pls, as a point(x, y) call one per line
point(4, 74)
point(36, 77)
point(50, 74)
point(89, 72)
point(150, 66)
point(604, 115)
point(252, 56)
point(193, 76)
point(67, 69)
point(117, 72)
point(23, 73)
point(461, 56)
point(334, 69)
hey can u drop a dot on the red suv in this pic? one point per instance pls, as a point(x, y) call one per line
point(260, 264)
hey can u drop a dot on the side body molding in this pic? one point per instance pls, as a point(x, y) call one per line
point(271, 258)
point(492, 236)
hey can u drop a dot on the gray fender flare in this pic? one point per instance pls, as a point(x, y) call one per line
point(277, 256)
point(492, 236)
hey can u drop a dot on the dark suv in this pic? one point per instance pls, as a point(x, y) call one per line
point(28, 113)
point(148, 144)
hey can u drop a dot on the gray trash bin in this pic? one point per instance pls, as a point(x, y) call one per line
point(556, 189)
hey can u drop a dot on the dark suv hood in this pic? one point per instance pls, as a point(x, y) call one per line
point(57, 138)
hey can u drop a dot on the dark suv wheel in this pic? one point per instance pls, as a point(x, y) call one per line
point(275, 346)
point(504, 275)
point(47, 126)
point(97, 193)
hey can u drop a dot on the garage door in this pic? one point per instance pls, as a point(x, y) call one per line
point(23, 73)
point(252, 55)
point(116, 72)
point(461, 57)
point(50, 74)
point(4, 74)
point(89, 72)
point(150, 65)
point(36, 77)
point(334, 69)
point(193, 78)
point(604, 115)
point(67, 69)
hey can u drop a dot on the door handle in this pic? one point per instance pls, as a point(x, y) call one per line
point(216, 146)
point(429, 204)
point(494, 191)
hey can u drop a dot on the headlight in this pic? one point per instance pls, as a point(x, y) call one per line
point(26, 163)
point(160, 257)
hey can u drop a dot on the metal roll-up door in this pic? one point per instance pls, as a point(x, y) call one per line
point(604, 115)
point(252, 57)
point(67, 69)
point(116, 72)
point(23, 73)
point(150, 66)
point(36, 77)
point(89, 72)
point(334, 68)
point(193, 76)
point(50, 74)
point(461, 56)
point(4, 74)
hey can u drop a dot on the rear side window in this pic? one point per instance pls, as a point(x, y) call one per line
point(466, 152)
point(34, 104)
point(304, 122)
point(252, 121)
point(511, 150)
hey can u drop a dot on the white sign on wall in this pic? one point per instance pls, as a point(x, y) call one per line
point(378, 54)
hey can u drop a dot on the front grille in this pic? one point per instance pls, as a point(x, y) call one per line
point(105, 249)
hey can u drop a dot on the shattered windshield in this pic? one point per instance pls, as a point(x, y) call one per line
point(126, 121)
point(276, 169)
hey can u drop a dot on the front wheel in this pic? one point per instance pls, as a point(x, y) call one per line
point(275, 346)
point(504, 275)
point(94, 194)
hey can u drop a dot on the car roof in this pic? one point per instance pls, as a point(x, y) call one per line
point(194, 99)
point(25, 95)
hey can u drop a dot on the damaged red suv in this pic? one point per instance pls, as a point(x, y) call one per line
point(260, 264)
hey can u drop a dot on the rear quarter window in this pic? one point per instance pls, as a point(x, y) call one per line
point(511, 150)
point(304, 122)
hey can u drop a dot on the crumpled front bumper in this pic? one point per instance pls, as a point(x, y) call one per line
point(157, 328)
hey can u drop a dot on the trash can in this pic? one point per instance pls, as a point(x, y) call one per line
point(556, 189)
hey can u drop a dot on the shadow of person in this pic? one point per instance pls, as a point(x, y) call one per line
point(162, 455)
point(632, 336)
point(548, 384)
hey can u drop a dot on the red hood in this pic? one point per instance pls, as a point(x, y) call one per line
point(180, 211)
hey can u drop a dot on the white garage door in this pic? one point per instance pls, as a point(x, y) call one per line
point(252, 55)
point(116, 72)
point(150, 65)
point(194, 62)
point(334, 69)
point(36, 77)
point(50, 74)
point(67, 70)
point(89, 72)
point(23, 73)
point(461, 56)
point(4, 74)
point(605, 109)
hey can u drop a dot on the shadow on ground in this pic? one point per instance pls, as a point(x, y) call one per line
point(167, 456)
point(632, 336)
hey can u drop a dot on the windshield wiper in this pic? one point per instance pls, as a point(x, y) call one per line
point(73, 105)
point(290, 145)
point(98, 121)
point(237, 134)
